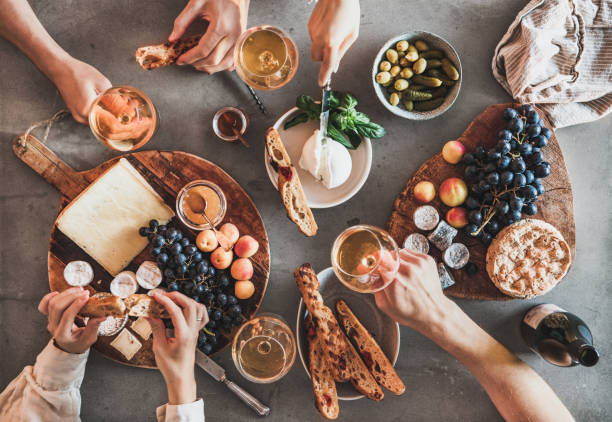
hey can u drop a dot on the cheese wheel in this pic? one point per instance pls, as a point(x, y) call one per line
point(148, 275)
point(78, 273)
point(124, 284)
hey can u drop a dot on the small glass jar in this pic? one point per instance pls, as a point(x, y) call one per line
point(241, 118)
point(196, 221)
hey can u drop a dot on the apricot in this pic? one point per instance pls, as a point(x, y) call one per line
point(246, 246)
point(453, 191)
point(242, 269)
point(206, 241)
point(221, 259)
point(424, 191)
point(231, 232)
point(244, 289)
point(457, 217)
point(453, 151)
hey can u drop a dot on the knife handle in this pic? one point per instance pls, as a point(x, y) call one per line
point(256, 405)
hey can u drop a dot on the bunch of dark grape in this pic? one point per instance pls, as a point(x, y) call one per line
point(188, 270)
point(505, 181)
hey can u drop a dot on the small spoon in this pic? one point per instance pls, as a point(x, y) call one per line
point(224, 242)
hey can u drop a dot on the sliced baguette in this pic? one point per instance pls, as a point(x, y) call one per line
point(97, 307)
point(332, 339)
point(154, 56)
point(139, 305)
point(323, 385)
point(289, 185)
point(361, 378)
point(105, 304)
point(377, 363)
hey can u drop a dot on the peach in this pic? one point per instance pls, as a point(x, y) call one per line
point(453, 151)
point(206, 241)
point(242, 269)
point(244, 289)
point(246, 246)
point(457, 217)
point(453, 191)
point(221, 259)
point(424, 191)
point(231, 232)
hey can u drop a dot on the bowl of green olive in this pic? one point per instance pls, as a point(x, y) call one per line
point(417, 75)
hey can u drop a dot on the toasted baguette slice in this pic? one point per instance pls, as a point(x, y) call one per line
point(323, 385)
point(154, 56)
point(378, 364)
point(289, 185)
point(103, 306)
point(332, 340)
point(361, 378)
point(139, 305)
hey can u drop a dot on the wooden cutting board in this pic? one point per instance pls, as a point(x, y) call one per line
point(167, 172)
point(555, 206)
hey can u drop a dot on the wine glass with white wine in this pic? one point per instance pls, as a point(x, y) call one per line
point(264, 349)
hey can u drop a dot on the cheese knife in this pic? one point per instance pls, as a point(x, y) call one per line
point(324, 118)
point(218, 373)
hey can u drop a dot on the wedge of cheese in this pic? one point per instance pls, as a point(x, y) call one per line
point(142, 327)
point(127, 344)
point(104, 219)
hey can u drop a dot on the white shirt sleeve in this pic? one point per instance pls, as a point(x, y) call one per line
point(47, 391)
point(189, 412)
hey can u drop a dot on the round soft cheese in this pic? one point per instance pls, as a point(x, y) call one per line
point(124, 284)
point(148, 275)
point(78, 273)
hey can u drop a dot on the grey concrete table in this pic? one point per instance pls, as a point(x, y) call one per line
point(106, 34)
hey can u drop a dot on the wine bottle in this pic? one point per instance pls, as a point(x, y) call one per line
point(560, 337)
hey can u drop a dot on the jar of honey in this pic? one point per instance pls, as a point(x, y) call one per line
point(191, 199)
point(229, 122)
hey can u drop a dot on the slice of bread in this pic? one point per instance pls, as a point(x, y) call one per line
point(154, 56)
point(332, 339)
point(374, 358)
point(323, 385)
point(139, 305)
point(103, 306)
point(289, 185)
point(361, 378)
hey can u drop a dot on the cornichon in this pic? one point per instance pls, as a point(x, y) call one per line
point(449, 69)
point(427, 81)
point(417, 87)
point(435, 73)
point(417, 95)
point(433, 63)
point(428, 105)
point(432, 54)
point(439, 92)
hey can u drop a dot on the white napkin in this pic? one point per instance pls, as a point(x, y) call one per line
point(558, 54)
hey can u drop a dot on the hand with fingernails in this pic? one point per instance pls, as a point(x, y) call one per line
point(175, 356)
point(333, 28)
point(61, 309)
point(226, 19)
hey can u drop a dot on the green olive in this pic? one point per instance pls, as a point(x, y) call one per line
point(401, 45)
point(401, 84)
point(407, 73)
point(394, 71)
point(394, 99)
point(392, 56)
point(412, 55)
point(404, 62)
point(384, 66)
point(419, 66)
point(383, 77)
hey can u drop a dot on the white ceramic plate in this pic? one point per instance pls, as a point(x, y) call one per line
point(384, 330)
point(317, 195)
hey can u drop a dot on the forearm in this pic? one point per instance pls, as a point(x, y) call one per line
point(19, 25)
point(516, 390)
point(182, 391)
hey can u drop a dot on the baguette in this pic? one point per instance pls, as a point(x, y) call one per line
point(154, 56)
point(323, 385)
point(139, 305)
point(105, 305)
point(332, 339)
point(102, 306)
point(289, 185)
point(377, 363)
point(361, 378)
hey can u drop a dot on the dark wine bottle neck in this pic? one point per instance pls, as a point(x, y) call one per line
point(584, 352)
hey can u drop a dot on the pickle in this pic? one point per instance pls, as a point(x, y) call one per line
point(433, 63)
point(432, 54)
point(394, 99)
point(418, 87)
point(439, 75)
point(429, 105)
point(419, 66)
point(450, 70)
point(421, 45)
point(417, 95)
point(427, 81)
point(409, 105)
point(439, 92)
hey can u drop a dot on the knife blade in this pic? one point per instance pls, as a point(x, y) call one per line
point(324, 117)
point(218, 373)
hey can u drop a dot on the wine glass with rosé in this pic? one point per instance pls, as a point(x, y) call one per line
point(365, 258)
point(123, 118)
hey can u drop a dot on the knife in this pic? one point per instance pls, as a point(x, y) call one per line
point(218, 373)
point(325, 111)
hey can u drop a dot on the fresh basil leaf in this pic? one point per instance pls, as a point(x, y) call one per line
point(371, 130)
point(354, 138)
point(308, 105)
point(299, 118)
point(338, 136)
point(334, 99)
point(361, 118)
point(338, 120)
point(348, 101)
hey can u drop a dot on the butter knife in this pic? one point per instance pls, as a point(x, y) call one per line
point(218, 373)
point(324, 118)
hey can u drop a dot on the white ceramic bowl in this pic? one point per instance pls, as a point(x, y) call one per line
point(317, 195)
point(435, 42)
point(383, 329)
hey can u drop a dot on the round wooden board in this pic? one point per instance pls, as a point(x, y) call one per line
point(554, 206)
point(167, 172)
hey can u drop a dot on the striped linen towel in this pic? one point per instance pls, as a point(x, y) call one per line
point(558, 54)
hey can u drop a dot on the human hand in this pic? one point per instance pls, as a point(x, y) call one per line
point(415, 297)
point(79, 84)
point(175, 356)
point(227, 19)
point(61, 309)
point(333, 27)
